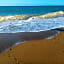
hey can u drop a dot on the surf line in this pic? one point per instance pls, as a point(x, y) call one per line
point(28, 17)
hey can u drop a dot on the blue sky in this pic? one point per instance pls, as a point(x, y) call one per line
point(30, 2)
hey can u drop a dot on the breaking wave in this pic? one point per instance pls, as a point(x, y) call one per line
point(35, 25)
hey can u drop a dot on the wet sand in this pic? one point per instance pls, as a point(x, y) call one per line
point(8, 40)
point(36, 52)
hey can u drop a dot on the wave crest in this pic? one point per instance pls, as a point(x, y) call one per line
point(30, 17)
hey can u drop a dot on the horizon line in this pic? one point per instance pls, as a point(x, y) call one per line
point(31, 5)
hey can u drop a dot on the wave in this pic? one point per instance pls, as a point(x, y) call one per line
point(35, 25)
point(30, 17)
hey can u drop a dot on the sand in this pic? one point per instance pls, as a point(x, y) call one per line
point(36, 52)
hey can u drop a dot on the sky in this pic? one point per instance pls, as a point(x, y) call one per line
point(31, 2)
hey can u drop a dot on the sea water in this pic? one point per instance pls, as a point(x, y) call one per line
point(35, 25)
point(31, 10)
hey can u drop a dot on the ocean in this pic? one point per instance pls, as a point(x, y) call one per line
point(36, 10)
point(23, 25)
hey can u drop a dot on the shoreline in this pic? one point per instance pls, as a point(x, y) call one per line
point(7, 40)
point(39, 51)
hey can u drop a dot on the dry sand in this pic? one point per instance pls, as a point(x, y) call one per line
point(36, 52)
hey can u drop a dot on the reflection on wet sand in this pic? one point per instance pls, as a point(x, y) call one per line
point(9, 39)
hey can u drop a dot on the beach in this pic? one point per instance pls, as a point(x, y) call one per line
point(36, 52)
point(32, 35)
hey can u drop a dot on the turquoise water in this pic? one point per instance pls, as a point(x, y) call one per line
point(35, 25)
point(15, 10)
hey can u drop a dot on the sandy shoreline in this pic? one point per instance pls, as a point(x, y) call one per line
point(7, 40)
point(36, 52)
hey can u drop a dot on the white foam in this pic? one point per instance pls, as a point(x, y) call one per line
point(35, 25)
